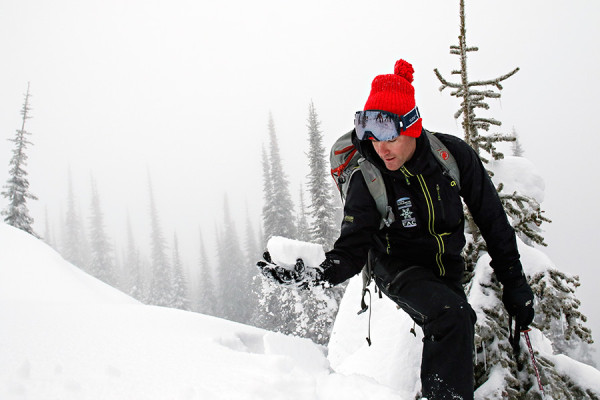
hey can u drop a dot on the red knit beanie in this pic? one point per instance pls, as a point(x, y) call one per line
point(394, 93)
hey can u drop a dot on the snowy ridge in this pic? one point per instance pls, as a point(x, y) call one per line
point(63, 334)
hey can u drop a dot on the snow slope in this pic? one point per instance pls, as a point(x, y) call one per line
point(65, 335)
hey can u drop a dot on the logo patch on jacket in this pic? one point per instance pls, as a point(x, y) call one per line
point(405, 208)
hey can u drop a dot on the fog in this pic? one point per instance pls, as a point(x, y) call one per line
point(181, 91)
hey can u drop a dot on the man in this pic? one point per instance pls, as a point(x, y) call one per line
point(417, 259)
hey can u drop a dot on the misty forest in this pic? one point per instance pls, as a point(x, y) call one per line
point(230, 286)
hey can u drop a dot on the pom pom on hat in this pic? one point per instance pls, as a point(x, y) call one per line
point(405, 70)
point(394, 93)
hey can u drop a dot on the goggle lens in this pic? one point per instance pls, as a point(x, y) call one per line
point(383, 125)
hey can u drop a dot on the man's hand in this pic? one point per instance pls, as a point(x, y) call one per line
point(300, 276)
point(518, 300)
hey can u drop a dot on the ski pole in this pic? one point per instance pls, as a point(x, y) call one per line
point(535, 368)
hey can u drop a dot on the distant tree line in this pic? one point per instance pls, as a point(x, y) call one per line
point(227, 286)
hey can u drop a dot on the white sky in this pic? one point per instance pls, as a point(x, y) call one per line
point(183, 90)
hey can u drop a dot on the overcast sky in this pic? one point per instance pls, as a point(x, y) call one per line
point(182, 91)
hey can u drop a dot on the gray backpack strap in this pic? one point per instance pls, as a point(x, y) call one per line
point(444, 157)
point(374, 180)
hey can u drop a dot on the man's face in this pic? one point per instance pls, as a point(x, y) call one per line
point(396, 152)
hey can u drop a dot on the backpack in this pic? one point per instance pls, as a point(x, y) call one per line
point(345, 160)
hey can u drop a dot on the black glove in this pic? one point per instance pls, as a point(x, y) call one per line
point(300, 276)
point(518, 300)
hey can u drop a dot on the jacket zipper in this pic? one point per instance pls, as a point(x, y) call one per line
point(439, 197)
point(431, 225)
point(431, 221)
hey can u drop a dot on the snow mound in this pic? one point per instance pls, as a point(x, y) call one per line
point(29, 266)
point(393, 359)
point(284, 252)
point(65, 335)
point(520, 175)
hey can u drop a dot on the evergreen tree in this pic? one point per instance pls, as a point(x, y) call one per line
point(517, 147)
point(268, 211)
point(252, 240)
point(102, 263)
point(48, 235)
point(558, 314)
point(253, 253)
point(206, 296)
point(17, 191)
point(179, 292)
point(302, 224)
point(281, 220)
point(160, 285)
point(524, 210)
point(233, 281)
point(132, 279)
point(512, 378)
point(74, 243)
point(323, 205)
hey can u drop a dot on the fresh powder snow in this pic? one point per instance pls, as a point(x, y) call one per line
point(66, 335)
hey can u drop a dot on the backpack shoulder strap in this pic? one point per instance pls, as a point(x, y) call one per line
point(374, 180)
point(444, 157)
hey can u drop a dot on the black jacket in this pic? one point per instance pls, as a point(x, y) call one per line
point(429, 219)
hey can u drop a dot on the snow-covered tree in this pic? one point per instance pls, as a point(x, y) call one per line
point(268, 211)
point(16, 190)
point(74, 243)
point(303, 232)
point(102, 262)
point(278, 218)
point(517, 147)
point(323, 205)
point(473, 95)
point(132, 282)
point(234, 283)
point(160, 285)
point(179, 292)
point(48, 234)
point(500, 374)
point(206, 296)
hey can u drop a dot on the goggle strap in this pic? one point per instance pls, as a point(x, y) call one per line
point(410, 118)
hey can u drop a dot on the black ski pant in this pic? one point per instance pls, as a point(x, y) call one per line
point(441, 309)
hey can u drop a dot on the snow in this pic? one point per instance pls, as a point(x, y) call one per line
point(284, 252)
point(520, 175)
point(66, 335)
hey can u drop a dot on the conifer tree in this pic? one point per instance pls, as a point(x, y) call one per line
point(75, 246)
point(48, 235)
point(496, 365)
point(268, 211)
point(179, 292)
point(517, 147)
point(302, 223)
point(102, 263)
point(206, 296)
point(324, 229)
point(161, 284)
point(233, 280)
point(281, 220)
point(132, 279)
point(473, 94)
point(253, 253)
point(16, 190)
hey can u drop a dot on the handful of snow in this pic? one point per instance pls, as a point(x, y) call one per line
point(284, 252)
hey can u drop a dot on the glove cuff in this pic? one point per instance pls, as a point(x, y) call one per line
point(511, 274)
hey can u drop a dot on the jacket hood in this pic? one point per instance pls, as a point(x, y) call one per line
point(420, 163)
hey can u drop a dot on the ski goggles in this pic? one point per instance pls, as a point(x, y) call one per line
point(383, 125)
